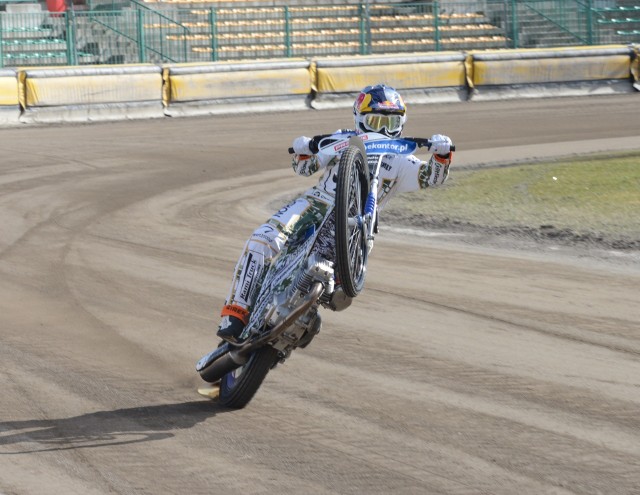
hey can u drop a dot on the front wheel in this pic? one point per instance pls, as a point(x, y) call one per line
point(238, 387)
point(352, 188)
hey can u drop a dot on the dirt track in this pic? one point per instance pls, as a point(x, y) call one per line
point(459, 370)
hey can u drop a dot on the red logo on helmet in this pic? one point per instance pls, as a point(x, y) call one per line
point(387, 104)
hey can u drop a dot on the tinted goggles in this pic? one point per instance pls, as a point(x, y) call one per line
point(376, 122)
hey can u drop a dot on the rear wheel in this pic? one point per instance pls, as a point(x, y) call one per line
point(238, 387)
point(352, 188)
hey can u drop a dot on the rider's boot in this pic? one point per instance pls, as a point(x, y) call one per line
point(234, 319)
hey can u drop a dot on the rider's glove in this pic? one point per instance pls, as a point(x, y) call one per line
point(301, 145)
point(436, 170)
point(440, 145)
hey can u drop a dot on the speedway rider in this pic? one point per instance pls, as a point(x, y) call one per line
point(378, 108)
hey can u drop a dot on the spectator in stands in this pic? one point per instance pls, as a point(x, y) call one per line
point(378, 109)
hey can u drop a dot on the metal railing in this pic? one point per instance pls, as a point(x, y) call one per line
point(142, 32)
point(129, 31)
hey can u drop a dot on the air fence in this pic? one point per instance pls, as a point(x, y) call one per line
point(116, 92)
point(160, 32)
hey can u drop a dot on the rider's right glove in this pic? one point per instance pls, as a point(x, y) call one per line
point(304, 162)
point(301, 145)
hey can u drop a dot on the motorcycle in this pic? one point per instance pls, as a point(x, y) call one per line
point(300, 281)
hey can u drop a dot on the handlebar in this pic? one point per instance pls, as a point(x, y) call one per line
point(423, 142)
point(315, 141)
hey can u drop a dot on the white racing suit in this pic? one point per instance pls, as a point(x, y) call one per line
point(398, 174)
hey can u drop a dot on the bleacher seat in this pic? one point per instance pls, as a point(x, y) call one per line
point(619, 24)
point(245, 28)
point(25, 16)
point(311, 27)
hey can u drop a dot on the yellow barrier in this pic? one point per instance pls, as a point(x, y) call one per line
point(421, 77)
point(635, 67)
point(9, 101)
point(149, 91)
point(192, 89)
point(534, 72)
point(91, 93)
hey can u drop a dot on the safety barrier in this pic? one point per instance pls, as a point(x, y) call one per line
point(149, 91)
point(550, 72)
point(193, 89)
point(91, 93)
point(9, 101)
point(422, 78)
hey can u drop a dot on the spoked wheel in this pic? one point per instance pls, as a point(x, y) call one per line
point(238, 387)
point(352, 189)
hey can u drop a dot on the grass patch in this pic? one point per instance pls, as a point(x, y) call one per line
point(598, 195)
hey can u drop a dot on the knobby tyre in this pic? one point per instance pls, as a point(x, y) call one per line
point(238, 387)
point(352, 188)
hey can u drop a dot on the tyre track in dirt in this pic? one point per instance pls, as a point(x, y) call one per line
point(460, 308)
point(460, 370)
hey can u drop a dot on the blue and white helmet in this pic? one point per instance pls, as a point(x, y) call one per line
point(380, 108)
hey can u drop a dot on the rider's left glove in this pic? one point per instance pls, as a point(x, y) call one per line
point(440, 145)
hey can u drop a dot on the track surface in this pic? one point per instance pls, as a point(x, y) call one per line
point(458, 370)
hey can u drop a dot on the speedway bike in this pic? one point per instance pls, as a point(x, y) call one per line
point(299, 281)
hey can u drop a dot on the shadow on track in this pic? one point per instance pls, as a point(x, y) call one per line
point(105, 428)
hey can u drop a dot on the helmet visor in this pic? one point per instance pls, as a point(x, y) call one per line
point(377, 122)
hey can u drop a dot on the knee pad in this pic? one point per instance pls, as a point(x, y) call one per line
point(266, 240)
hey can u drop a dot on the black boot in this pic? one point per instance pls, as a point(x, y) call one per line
point(230, 329)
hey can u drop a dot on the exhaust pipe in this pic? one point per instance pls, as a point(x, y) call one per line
point(221, 366)
point(227, 358)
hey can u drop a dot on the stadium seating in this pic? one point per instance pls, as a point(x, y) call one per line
point(32, 36)
point(182, 30)
point(328, 30)
point(620, 24)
